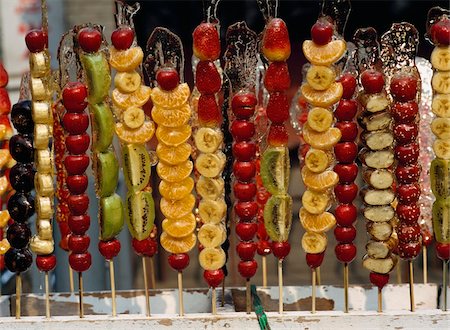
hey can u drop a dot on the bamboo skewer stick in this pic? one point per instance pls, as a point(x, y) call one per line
point(411, 286)
point(223, 292)
point(318, 276)
point(71, 284)
point(47, 296)
point(152, 273)
point(80, 291)
point(425, 264)
point(247, 296)
point(346, 287)
point(180, 293)
point(313, 293)
point(113, 288)
point(399, 272)
point(147, 299)
point(380, 300)
point(280, 286)
point(444, 282)
point(213, 301)
point(264, 271)
point(18, 294)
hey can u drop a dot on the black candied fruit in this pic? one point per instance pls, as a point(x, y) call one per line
point(21, 206)
point(21, 177)
point(18, 260)
point(18, 235)
point(21, 148)
point(21, 117)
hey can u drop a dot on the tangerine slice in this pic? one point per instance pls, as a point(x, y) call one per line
point(2, 132)
point(316, 223)
point(172, 117)
point(322, 141)
point(319, 181)
point(324, 98)
point(173, 136)
point(174, 173)
point(3, 184)
point(176, 190)
point(173, 209)
point(4, 157)
point(171, 99)
point(178, 245)
point(125, 60)
point(173, 155)
point(139, 135)
point(136, 99)
point(324, 55)
point(4, 218)
point(180, 227)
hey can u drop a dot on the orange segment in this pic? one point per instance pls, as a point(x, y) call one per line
point(324, 98)
point(326, 54)
point(174, 136)
point(4, 218)
point(172, 209)
point(174, 173)
point(125, 60)
point(3, 184)
point(176, 190)
point(317, 223)
point(171, 99)
point(322, 141)
point(136, 99)
point(178, 245)
point(180, 227)
point(172, 117)
point(2, 132)
point(4, 157)
point(173, 155)
point(319, 181)
point(139, 135)
point(4, 246)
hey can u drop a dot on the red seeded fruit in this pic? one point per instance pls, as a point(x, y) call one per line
point(278, 135)
point(109, 249)
point(277, 77)
point(407, 173)
point(207, 78)
point(208, 111)
point(409, 214)
point(408, 193)
point(147, 247)
point(404, 88)
point(405, 112)
point(409, 251)
point(244, 191)
point(278, 108)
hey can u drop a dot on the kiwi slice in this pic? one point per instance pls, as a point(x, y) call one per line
point(103, 122)
point(107, 169)
point(278, 217)
point(440, 178)
point(140, 214)
point(136, 166)
point(441, 220)
point(111, 217)
point(98, 76)
point(275, 170)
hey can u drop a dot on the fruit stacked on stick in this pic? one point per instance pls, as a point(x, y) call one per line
point(321, 91)
point(42, 243)
point(208, 138)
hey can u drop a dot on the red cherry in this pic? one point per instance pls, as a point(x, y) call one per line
point(242, 130)
point(77, 144)
point(262, 196)
point(80, 262)
point(404, 88)
point(167, 78)
point(77, 184)
point(277, 77)
point(440, 32)
point(206, 42)
point(346, 193)
point(345, 234)
point(314, 260)
point(74, 97)
point(244, 151)
point(348, 82)
point(408, 233)
point(409, 250)
point(322, 32)
point(213, 277)
point(109, 249)
point(146, 248)
point(246, 211)
point(405, 112)
point(264, 248)
point(2, 261)
point(346, 110)
point(122, 38)
point(443, 251)
point(408, 193)
point(243, 104)
point(246, 250)
point(36, 41)
point(79, 224)
point(407, 173)
point(208, 111)
point(349, 130)
point(372, 81)
point(427, 237)
point(78, 204)
point(278, 135)
point(76, 123)
point(246, 230)
point(278, 107)
point(244, 171)
point(345, 214)
point(90, 39)
point(346, 152)
point(345, 252)
point(262, 232)
point(379, 280)
point(281, 249)
point(405, 133)
point(409, 214)
point(244, 191)
point(247, 269)
point(407, 154)
point(347, 172)
point(76, 165)
point(179, 261)
point(46, 263)
point(79, 243)
point(207, 78)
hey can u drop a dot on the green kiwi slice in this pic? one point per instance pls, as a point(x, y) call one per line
point(440, 178)
point(278, 217)
point(107, 169)
point(441, 220)
point(103, 122)
point(98, 76)
point(136, 166)
point(275, 170)
point(140, 214)
point(110, 216)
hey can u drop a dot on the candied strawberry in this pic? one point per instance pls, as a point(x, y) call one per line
point(278, 135)
point(278, 108)
point(277, 77)
point(208, 111)
point(5, 103)
point(207, 78)
point(206, 42)
point(3, 76)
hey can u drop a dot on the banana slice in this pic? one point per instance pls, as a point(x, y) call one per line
point(43, 184)
point(441, 128)
point(441, 105)
point(210, 188)
point(376, 102)
point(316, 160)
point(127, 82)
point(441, 82)
point(211, 235)
point(212, 258)
point(320, 77)
point(42, 136)
point(39, 89)
point(44, 207)
point(44, 161)
point(314, 242)
point(211, 211)
point(42, 113)
point(440, 58)
point(320, 119)
point(44, 229)
point(208, 140)
point(4, 246)
point(40, 246)
point(134, 117)
point(210, 165)
point(39, 64)
point(442, 149)
point(315, 202)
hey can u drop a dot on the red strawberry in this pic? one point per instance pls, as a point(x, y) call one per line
point(276, 46)
point(277, 77)
point(3, 76)
point(278, 108)
point(208, 111)
point(5, 103)
point(206, 42)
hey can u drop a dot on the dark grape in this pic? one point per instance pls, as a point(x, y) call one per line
point(18, 260)
point(18, 235)
point(21, 206)
point(21, 177)
point(21, 117)
point(21, 148)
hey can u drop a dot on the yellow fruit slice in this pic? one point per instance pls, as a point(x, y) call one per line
point(212, 258)
point(441, 82)
point(324, 98)
point(319, 181)
point(211, 211)
point(174, 173)
point(3, 184)
point(324, 55)
point(2, 132)
point(316, 223)
point(180, 227)
point(173, 136)
point(4, 157)
point(125, 60)
point(322, 141)
point(4, 218)
point(316, 160)
point(171, 99)
point(127, 82)
point(173, 155)
point(314, 242)
point(315, 202)
point(4, 246)
point(140, 135)
point(178, 245)
point(173, 209)
point(133, 117)
point(176, 190)
point(441, 105)
point(211, 235)
point(135, 99)
point(320, 77)
point(320, 119)
point(175, 117)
